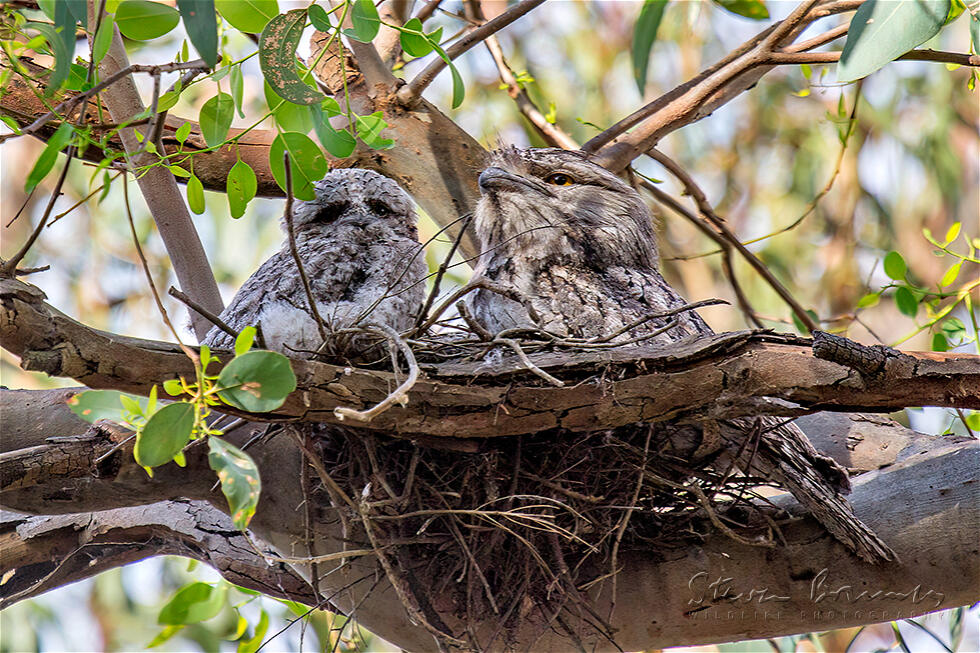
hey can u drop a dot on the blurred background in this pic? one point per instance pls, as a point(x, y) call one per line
point(911, 163)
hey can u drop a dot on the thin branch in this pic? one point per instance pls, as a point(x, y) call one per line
point(411, 92)
point(820, 39)
point(709, 214)
point(211, 317)
point(400, 394)
point(291, 233)
point(69, 104)
point(940, 56)
point(526, 362)
point(9, 267)
point(552, 134)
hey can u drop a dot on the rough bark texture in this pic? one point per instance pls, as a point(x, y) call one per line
point(728, 375)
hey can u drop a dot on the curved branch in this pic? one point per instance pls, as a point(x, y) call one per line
point(727, 375)
point(409, 93)
point(44, 553)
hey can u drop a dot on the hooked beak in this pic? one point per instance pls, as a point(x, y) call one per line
point(497, 179)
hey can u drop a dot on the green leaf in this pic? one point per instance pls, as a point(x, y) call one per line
point(142, 20)
point(93, 405)
point(237, 81)
point(103, 38)
point(164, 435)
point(291, 117)
point(939, 342)
point(239, 477)
point(164, 635)
point(868, 300)
point(369, 130)
point(183, 132)
point(58, 141)
point(644, 36)
point(195, 195)
point(413, 39)
point(754, 9)
point(339, 143)
point(277, 57)
point(951, 274)
point(882, 31)
point(241, 188)
point(62, 54)
point(168, 100)
point(975, 31)
point(953, 328)
point(215, 118)
point(953, 232)
point(319, 18)
point(252, 644)
point(201, 23)
point(364, 17)
point(307, 163)
point(192, 604)
point(798, 323)
point(906, 302)
point(249, 16)
point(178, 171)
point(895, 266)
point(258, 381)
point(244, 340)
point(172, 387)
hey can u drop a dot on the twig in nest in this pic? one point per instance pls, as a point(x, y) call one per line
point(288, 217)
point(513, 344)
point(706, 504)
point(467, 219)
point(475, 284)
point(625, 520)
point(472, 322)
point(646, 318)
point(400, 395)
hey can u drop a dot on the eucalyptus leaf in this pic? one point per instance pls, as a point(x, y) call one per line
point(241, 187)
point(193, 603)
point(239, 477)
point(883, 30)
point(413, 40)
point(906, 302)
point(277, 57)
point(249, 16)
point(320, 18)
point(201, 22)
point(338, 142)
point(195, 195)
point(142, 20)
point(895, 266)
point(364, 17)
point(307, 163)
point(62, 55)
point(45, 161)
point(644, 36)
point(215, 119)
point(164, 434)
point(754, 9)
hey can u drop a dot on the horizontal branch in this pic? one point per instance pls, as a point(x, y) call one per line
point(960, 58)
point(436, 161)
point(726, 375)
point(42, 553)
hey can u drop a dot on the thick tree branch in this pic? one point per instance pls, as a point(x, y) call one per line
point(727, 375)
point(43, 553)
point(159, 188)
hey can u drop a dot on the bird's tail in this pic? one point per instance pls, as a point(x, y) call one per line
point(784, 454)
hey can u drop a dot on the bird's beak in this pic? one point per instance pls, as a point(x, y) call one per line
point(497, 179)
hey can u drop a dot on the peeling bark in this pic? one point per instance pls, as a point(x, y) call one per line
point(727, 375)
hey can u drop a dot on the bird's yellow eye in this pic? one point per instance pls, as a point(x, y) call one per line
point(559, 179)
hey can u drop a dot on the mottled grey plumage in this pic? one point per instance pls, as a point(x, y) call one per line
point(577, 243)
point(359, 247)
